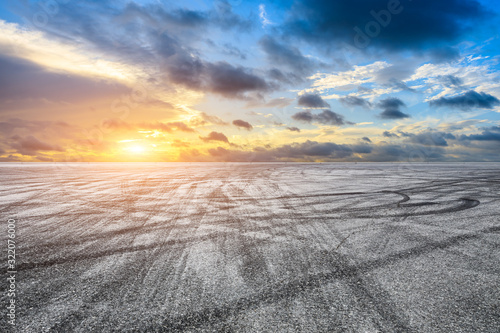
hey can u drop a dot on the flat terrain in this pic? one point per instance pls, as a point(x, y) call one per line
point(168, 247)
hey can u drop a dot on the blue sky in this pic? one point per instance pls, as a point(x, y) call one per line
point(250, 80)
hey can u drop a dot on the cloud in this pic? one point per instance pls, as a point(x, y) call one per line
point(313, 148)
point(348, 79)
point(488, 134)
point(243, 124)
point(388, 134)
point(399, 85)
point(224, 17)
point(263, 16)
point(284, 77)
point(279, 102)
point(334, 22)
point(159, 43)
point(305, 151)
point(14, 125)
point(179, 143)
point(393, 114)
point(395, 72)
point(231, 50)
point(286, 55)
point(366, 139)
point(450, 81)
point(425, 138)
point(391, 107)
point(207, 119)
point(215, 136)
point(326, 117)
point(352, 101)
point(304, 116)
point(23, 80)
point(167, 127)
point(293, 129)
point(221, 77)
point(115, 123)
point(313, 101)
point(444, 54)
point(432, 138)
point(30, 145)
point(467, 101)
point(390, 103)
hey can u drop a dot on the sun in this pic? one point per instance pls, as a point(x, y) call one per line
point(137, 149)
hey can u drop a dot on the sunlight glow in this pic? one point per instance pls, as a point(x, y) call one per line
point(137, 149)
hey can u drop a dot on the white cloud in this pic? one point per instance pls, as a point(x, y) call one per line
point(263, 16)
point(348, 79)
point(480, 77)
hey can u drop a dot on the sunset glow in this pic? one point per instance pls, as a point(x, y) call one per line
point(250, 81)
point(137, 149)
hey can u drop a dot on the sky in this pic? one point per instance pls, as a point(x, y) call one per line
point(250, 81)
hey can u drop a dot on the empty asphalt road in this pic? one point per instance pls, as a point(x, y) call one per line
point(262, 247)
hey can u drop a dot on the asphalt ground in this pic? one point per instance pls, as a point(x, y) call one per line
point(262, 247)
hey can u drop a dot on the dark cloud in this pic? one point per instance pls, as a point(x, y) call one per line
point(425, 138)
point(232, 50)
point(220, 78)
point(391, 103)
point(24, 80)
point(391, 107)
point(367, 139)
point(231, 81)
point(284, 77)
point(224, 17)
point(313, 148)
point(243, 124)
point(468, 100)
point(352, 101)
point(406, 153)
point(450, 81)
point(306, 151)
point(399, 85)
point(393, 114)
point(388, 134)
point(158, 41)
point(488, 134)
point(326, 117)
point(313, 101)
point(293, 129)
point(444, 54)
point(362, 149)
point(420, 147)
point(304, 116)
point(30, 145)
point(328, 22)
point(396, 73)
point(405, 134)
point(215, 136)
point(363, 89)
point(14, 125)
point(286, 55)
point(432, 138)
